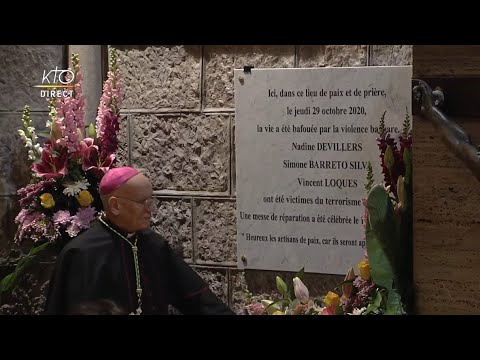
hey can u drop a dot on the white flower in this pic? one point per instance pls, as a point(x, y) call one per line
point(31, 129)
point(358, 311)
point(22, 134)
point(72, 189)
point(301, 291)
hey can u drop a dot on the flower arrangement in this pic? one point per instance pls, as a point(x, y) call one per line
point(62, 197)
point(384, 283)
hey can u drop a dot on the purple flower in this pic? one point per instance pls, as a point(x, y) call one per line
point(61, 217)
point(108, 110)
point(37, 226)
point(73, 229)
point(30, 192)
point(109, 138)
point(255, 309)
point(84, 217)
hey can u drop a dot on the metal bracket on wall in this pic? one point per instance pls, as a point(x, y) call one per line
point(427, 103)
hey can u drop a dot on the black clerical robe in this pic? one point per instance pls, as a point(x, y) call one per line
point(98, 264)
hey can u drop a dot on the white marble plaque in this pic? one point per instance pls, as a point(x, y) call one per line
point(303, 141)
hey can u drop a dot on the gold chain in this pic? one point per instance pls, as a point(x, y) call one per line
point(137, 270)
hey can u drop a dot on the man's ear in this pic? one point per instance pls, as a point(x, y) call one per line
point(113, 205)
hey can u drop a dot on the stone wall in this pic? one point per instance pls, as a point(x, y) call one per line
point(21, 67)
point(179, 125)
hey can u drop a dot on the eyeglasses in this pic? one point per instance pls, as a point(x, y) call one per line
point(146, 203)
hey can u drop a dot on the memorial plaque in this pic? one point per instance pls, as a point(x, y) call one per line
point(304, 138)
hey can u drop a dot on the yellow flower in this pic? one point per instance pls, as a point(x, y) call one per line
point(364, 268)
point(331, 299)
point(84, 198)
point(278, 312)
point(47, 200)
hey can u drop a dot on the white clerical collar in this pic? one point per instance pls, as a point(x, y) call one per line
point(129, 236)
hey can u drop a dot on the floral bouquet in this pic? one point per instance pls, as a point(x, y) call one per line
point(384, 285)
point(62, 198)
point(359, 296)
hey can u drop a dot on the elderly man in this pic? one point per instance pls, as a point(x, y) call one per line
point(121, 259)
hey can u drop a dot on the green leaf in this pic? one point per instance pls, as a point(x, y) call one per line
point(295, 303)
point(91, 131)
point(375, 305)
point(381, 269)
point(301, 274)
point(343, 283)
point(281, 286)
point(38, 249)
point(44, 134)
point(389, 158)
point(377, 204)
point(394, 304)
point(9, 281)
point(274, 306)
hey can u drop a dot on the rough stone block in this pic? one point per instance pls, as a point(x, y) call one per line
point(158, 77)
point(238, 291)
point(215, 231)
point(332, 55)
point(387, 55)
point(233, 171)
point(262, 285)
point(21, 67)
point(123, 143)
point(183, 152)
point(216, 279)
point(220, 62)
point(14, 164)
point(172, 219)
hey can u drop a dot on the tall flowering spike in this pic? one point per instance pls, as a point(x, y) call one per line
point(108, 115)
point(406, 124)
point(370, 180)
point(29, 137)
point(301, 291)
point(381, 129)
point(52, 112)
point(70, 111)
point(78, 94)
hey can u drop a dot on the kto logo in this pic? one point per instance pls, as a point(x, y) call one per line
point(57, 83)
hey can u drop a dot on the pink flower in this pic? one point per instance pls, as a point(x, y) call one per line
point(255, 309)
point(109, 139)
point(83, 218)
point(301, 291)
point(91, 158)
point(51, 166)
point(329, 310)
point(61, 217)
point(110, 103)
point(30, 192)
